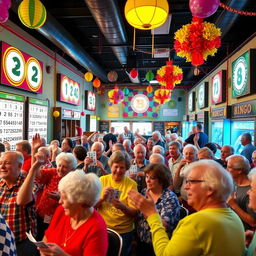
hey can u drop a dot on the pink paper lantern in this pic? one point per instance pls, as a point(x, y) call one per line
point(4, 14)
point(203, 8)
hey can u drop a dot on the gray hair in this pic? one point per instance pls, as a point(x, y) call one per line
point(99, 144)
point(190, 146)
point(45, 151)
point(141, 146)
point(19, 156)
point(160, 148)
point(81, 188)
point(67, 157)
point(158, 134)
point(240, 162)
point(157, 157)
point(175, 143)
point(128, 142)
point(215, 177)
point(231, 149)
point(252, 174)
point(206, 151)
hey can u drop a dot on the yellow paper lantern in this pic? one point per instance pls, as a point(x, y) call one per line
point(96, 82)
point(32, 13)
point(146, 14)
point(56, 113)
point(88, 76)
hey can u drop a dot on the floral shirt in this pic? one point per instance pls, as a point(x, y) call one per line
point(168, 208)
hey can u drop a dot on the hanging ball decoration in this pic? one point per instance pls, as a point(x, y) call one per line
point(203, 8)
point(96, 82)
point(150, 76)
point(88, 76)
point(32, 13)
point(149, 89)
point(134, 73)
point(112, 76)
point(146, 15)
point(4, 15)
point(126, 91)
point(82, 113)
point(56, 113)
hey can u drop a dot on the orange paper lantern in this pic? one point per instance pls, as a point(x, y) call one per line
point(56, 113)
point(88, 76)
point(149, 89)
point(96, 82)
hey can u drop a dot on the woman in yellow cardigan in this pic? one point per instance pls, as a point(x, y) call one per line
point(213, 230)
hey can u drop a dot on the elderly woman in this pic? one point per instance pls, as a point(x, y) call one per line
point(166, 202)
point(77, 228)
point(114, 205)
point(50, 177)
point(213, 230)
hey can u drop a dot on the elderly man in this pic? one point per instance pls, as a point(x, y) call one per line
point(128, 148)
point(85, 143)
point(128, 135)
point(156, 158)
point(246, 141)
point(190, 155)
point(20, 217)
point(157, 137)
point(25, 149)
point(157, 149)
point(101, 166)
point(226, 151)
point(213, 230)
point(205, 153)
point(239, 167)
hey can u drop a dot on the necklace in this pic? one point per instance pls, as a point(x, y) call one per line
point(69, 234)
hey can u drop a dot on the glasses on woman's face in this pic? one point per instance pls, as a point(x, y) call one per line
point(190, 181)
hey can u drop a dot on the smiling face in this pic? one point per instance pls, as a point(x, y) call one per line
point(153, 182)
point(189, 154)
point(174, 151)
point(139, 152)
point(9, 166)
point(63, 168)
point(118, 171)
point(197, 195)
point(98, 149)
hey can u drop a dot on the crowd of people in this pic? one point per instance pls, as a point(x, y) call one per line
point(68, 195)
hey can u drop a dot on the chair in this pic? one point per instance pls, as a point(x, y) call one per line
point(115, 243)
point(183, 212)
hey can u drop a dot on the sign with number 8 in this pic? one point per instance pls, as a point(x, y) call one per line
point(20, 70)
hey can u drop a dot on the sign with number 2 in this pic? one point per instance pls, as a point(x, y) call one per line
point(20, 70)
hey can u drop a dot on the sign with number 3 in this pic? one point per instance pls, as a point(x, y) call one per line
point(20, 70)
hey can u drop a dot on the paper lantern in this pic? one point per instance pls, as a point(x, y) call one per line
point(203, 8)
point(4, 14)
point(150, 76)
point(88, 76)
point(96, 82)
point(82, 113)
point(115, 96)
point(126, 91)
point(32, 13)
point(146, 15)
point(112, 76)
point(133, 73)
point(162, 95)
point(56, 113)
point(149, 89)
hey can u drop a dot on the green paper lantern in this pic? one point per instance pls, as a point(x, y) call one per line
point(126, 91)
point(150, 76)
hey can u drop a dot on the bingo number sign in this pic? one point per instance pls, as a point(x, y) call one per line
point(68, 90)
point(20, 70)
point(37, 118)
point(11, 118)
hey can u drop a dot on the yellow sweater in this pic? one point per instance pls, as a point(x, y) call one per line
point(211, 232)
point(115, 218)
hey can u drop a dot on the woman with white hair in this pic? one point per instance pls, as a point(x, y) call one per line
point(47, 202)
point(77, 228)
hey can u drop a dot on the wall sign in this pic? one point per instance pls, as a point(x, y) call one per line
point(67, 113)
point(159, 126)
point(219, 87)
point(203, 95)
point(68, 90)
point(170, 112)
point(20, 70)
point(90, 100)
point(37, 118)
point(140, 103)
point(192, 117)
point(220, 113)
point(191, 101)
point(11, 118)
point(244, 109)
point(243, 74)
point(104, 126)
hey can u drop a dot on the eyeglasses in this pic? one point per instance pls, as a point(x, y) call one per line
point(189, 182)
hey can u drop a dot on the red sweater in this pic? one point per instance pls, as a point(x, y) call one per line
point(89, 239)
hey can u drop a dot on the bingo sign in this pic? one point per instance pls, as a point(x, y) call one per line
point(37, 118)
point(203, 95)
point(69, 90)
point(11, 118)
point(218, 87)
point(240, 73)
point(191, 101)
point(20, 70)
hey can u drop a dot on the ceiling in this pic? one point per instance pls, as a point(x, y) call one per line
point(94, 35)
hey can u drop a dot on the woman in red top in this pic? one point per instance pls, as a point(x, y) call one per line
point(77, 228)
point(47, 203)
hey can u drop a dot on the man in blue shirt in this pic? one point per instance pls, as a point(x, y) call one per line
point(246, 141)
point(203, 138)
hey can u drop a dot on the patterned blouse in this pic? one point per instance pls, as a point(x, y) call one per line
point(168, 208)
